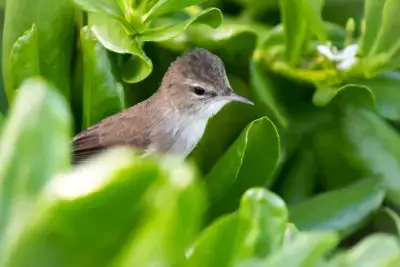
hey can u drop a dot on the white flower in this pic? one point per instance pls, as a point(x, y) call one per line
point(345, 58)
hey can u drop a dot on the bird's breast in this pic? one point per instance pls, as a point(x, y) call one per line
point(185, 136)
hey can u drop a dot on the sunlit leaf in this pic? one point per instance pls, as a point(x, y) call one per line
point(174, 206)
point(84, 217)
point(167, 6)
point(34, 145)
point(306, 250)
point(113, 36)
point(210, 16)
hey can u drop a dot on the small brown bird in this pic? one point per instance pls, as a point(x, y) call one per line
point(172, 120)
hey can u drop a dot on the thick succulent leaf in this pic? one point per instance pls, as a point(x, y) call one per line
point(306, 250)
point(324, 94)
point(104, 7)
point(24, 59)
point(219, 243)
point(54, 23)
point(250, 161)
point(166, 6)
point(387, 39)
point(84, 217)
point(386, 88)
point(103, 94)
point(175, 207)
point(210, 16)
point(34, 145)
point(311, 12)
point(262, 89)
point(373, 251)
point(373, 18)
point(295, 29)
point(339, 210)
point(267, 216)
point(112, 35)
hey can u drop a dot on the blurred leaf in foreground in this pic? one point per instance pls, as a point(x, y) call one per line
point(84, 218)
point(35, 144)
point(174, 211)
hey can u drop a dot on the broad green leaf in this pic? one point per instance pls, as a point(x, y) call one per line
point(299, 182)
point(210, 16)
point(104, 7)
point(295, 29)
point(103, 94)
point(34, 145)
point(113, 36)
point(219, 243)
point(374, 148)
point(54, 23)
point(340, 210)
point(24, 60)
point(387, 39)
point(374, 250)
point(373, 18)
point(386, 88)
point(267, 216)
point(167, 6)
point(324, 94)
point(311, 12)
point(175, 207)
point(84, 217)
point(261, 87)
point(306, 250)
point(249, 162)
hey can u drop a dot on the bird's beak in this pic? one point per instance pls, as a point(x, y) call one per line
point(236, 97)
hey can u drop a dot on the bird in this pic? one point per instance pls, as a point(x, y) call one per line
point(172, 120)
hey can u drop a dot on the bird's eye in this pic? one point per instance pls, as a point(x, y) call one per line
point(198, 90)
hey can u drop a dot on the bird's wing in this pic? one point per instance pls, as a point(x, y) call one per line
point(120, 129)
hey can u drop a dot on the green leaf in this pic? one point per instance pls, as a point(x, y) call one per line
point(267, 216)
point(295, 29)
point(373, 17)
point(386, 88)
point(262, 89)
point(305, 251)
point(311, 12)
point(387, 40)
point(339, 210)
point(113, 36)
point(324, 94)
point(84, 217)
point(34, 145)
point(54, 23)
point(211, 16)
point(175, 207)
point(396, 219)
point(167, 6)
point(249, 162)
point(299, 182)
point(219, 243)
point(104, 7)
point(372, 251)
point(103, 94)
point(24, 60)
